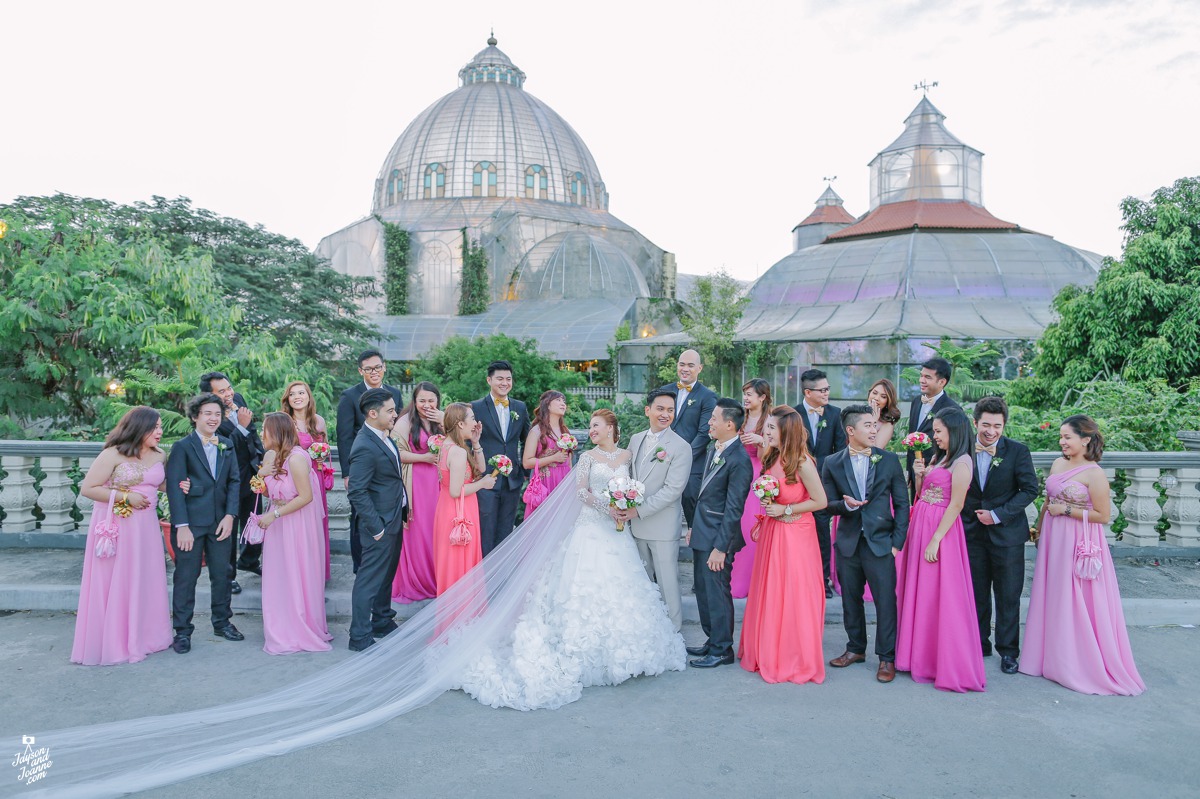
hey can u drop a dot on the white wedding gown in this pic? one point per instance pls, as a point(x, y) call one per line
point(592, 618)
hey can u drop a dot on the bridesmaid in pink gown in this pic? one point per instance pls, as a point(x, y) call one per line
point(541, 452)
point(293, 563)
point(784, 624)
point(938, 635)
point(1075, 632)
point(301, 407)
point(124, 613)
point(416, 578)
point(456, 469)
point(756, 399)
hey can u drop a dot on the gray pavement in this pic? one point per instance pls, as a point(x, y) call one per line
point(719, 733)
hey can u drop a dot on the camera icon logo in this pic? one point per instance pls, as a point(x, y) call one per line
point(28, 740)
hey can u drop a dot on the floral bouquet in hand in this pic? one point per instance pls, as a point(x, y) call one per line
point(567, 442)
point(766, 488)
point(435, 444)
point(258, 485)
point(501, 465)
point(624, 493)
point(917, 443)
point(318, 451)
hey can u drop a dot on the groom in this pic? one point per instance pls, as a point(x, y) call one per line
point(377, 496)
point(716, 533)
point(662, 461)
point(867, 492)
point(505, 426)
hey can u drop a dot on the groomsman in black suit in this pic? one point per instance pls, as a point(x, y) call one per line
point(935, 374)
point(238, 427)
point(350, 421)
point(716, 533)
point(377, 496)
point(1003, 486)
point(202, 519)
point(866, 490)
point(694, 403)
point(505, 427)
point(826, 435)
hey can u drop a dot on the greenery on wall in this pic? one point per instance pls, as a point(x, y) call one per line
point(475, 291)
point(396, 250)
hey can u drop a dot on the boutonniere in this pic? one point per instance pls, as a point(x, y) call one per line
point(514, 415)
point(717, 461)
point(221, 446)
point(996, 462)
point(660, 455)
point(690, 402)
point(876, 458)
point(821, 424)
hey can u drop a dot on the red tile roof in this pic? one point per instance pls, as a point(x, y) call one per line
point(923, 214)
point(832, 214)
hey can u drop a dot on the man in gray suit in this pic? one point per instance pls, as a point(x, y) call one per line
point(662, 460)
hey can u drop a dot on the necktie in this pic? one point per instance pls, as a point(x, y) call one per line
point(928, 400)
point(501, 403)
point(856, 452)
point(989, 450)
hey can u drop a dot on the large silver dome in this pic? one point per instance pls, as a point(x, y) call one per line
point(490, 138)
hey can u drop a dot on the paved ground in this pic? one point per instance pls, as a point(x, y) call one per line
point(718, 733)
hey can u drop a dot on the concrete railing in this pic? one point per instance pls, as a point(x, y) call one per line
point(39, 494)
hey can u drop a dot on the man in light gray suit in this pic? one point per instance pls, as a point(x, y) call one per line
point(662, 460)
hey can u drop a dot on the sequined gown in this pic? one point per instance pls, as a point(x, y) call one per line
point(124, 612)
point(1075, 631)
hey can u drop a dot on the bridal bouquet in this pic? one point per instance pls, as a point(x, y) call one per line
point(435, 443)
point(501, 464)
point(918, 443)
point(766, 488)
point(318, 451)
point(624, 493)
point(567, 442)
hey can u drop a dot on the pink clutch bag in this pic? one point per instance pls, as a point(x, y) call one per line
point(106, 532)
point(253, 533)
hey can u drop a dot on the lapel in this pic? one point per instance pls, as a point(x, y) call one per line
point(848, 463)
point(710, 471)
point(871, 469)
point(1001, 448)
point(490, 419)
point(393, 459)
point(637, 453)
point(194, 440)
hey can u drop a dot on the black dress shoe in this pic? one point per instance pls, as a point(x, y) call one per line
point(698, 651)
point(253, 568)
point(386, 630)
point(711, 661)
point(828, 588)
point(182, 644)
point(1008, 665)
point(229, 633)
point(234, 588)
point(358, 646)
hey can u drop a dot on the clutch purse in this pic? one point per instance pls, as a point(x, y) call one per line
point(106, 531)
point(253, 532)
point(460, 528)
point(1088, 550)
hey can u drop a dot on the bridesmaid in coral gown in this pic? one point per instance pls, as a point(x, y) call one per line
point(938, 635)
point(124, 613)
point(457, 495)
point(416, 578)
point(293, 564)
point(1075, 632)
point(784, 624)
point(756, 399)
point(541, 453)
point(300, 406)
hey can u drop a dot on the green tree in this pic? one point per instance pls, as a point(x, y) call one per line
point(458, 367)
point(715, 307)
point(475, 294)
point(395, 277)
point(963, 385)
point(1141, 321)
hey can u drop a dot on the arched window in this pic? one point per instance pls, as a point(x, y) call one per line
point(435, 181)
point(395, 187)
point(485, 175)
point(537, 183)
point(944, 168)
point(579, 189)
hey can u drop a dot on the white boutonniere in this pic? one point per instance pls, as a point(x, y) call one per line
point(996, 462)
point(717, 462)
point(514, 415)
point(876, 458)
point(821, 424)
point(221, 446)
point(690, 402)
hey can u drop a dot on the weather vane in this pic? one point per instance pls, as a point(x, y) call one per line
point(925, 87)
point(830, 180)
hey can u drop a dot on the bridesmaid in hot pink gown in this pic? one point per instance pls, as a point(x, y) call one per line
point(784, 625)
point(416, 578)
point(1075, 632)
point(124, 613)
point(298, 403)
point(937, 638)
point(541, 452)
point(293, 591)
point(756, 399)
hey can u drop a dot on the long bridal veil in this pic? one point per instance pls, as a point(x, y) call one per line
point(406, 670)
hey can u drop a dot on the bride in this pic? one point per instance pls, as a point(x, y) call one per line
point(593, 618)
point(561, 604)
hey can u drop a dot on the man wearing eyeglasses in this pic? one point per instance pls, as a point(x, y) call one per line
point(350, 420)
point(826, 435)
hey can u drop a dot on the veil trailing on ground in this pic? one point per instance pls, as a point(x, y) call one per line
point(406, 670)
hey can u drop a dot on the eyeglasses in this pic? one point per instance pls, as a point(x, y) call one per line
point(818, 390)
point(371, 369)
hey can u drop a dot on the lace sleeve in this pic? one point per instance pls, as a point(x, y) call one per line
point(583, 474)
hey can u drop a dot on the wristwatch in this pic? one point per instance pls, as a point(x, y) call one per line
point(787, 509)
point(276, 510)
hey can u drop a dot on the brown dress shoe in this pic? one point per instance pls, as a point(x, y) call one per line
point(846, 659)
point(887, 671)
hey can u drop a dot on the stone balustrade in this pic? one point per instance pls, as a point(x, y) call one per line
point(38, 494)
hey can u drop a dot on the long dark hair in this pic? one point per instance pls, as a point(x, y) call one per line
point(542, 415)
point(280, 430)
point(890, 412)
point(793, 444)
point(131, 431)
point(763, 389)
point(415, 420)
point(958, 429)
point(1085, 427)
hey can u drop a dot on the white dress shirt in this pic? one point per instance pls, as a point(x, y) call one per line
point(983, 466)
point(926, 408)
point(682, 397)
point(503, 416)
point(860, 464)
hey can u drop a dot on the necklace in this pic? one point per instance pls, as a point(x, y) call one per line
point(609, 455)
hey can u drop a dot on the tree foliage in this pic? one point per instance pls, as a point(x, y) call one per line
point(1141, 321)
point(458, 367)
point(395, 276)
point(963, 385)
point(475, 294)
point(714, 309)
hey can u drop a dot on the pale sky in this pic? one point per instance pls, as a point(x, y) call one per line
point(713, 123)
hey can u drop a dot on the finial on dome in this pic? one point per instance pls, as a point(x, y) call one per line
point(492, 38)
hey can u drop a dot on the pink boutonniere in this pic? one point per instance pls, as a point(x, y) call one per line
point(660, 455)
